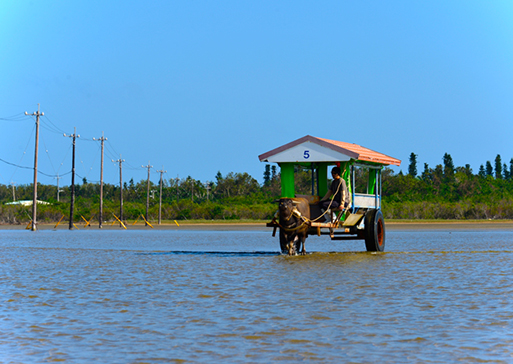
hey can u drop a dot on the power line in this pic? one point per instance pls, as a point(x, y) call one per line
point(15, 165)
point(63, 159)
point(48, 154)
point(56, 128)
point(88, 181)
point(131, 167)
point(16, 117)
point(83, 166)
point(86, 139)
point(25, 151)
point(32, 168)
point(54, 175)
point(50, 129)
point(109, 144)
point(115, 152)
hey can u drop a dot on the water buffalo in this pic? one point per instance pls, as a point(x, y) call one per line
point(294, 215)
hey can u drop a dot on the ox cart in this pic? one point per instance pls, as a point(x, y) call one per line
point(362, 219)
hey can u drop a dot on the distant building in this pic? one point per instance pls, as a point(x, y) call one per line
point(27, 203)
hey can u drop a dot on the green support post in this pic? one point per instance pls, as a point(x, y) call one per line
point(345, 167)
point(323, 179)
point(287, 180)
point(372, 181)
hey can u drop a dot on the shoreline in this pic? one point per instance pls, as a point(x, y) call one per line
point(393, 225)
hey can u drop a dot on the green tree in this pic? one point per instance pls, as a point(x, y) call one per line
point(468, 170)
point(267, 175)
point(505, 172)
point(426, 174)
point(448, 166)
point(481, 172)
point(489, 169)
point(438, 176)
point(498, 167)
point(412, 168)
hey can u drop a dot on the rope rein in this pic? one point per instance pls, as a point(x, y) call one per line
point(306, 220)
point(331, 199)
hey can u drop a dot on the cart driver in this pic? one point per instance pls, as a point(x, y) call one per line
point(338, 190)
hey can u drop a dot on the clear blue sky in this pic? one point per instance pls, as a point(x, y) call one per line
point(198, 87)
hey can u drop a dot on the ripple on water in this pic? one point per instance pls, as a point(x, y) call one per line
point(186, 296)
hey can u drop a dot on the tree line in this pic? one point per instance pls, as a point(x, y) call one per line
point(449, 192)
point(234, 196)
point(442, 192)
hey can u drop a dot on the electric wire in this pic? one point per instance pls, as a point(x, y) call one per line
point(47, 124)
point(53, 124)
point(84, 139)
point(112, 147)
point(48, 154)
point(114, 156)
point(32, 168)
point(15, 165)
point(67, 152)
point(81, 162)
point(24, 152)
point(110, 155)
point(53, 175)
point(79, 176)
point(95, 157)
point(91, 168)
point(16, 117)
point(131, 167)
point(44, 126)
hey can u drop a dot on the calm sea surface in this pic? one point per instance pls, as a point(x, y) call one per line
point(156, 296)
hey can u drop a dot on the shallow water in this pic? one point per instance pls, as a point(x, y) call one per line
point(145, 296)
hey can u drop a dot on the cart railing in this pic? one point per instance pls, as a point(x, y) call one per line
point(362, 200)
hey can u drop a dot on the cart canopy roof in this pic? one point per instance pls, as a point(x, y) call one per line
point(312, 149)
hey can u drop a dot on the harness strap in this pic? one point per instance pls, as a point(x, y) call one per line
point(299, 215)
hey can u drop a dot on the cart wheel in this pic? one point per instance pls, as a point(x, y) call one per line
point(283, 242)
point(374, 231)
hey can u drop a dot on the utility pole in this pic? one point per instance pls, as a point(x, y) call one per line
point(160, 200)
point(74, 136)
point(58, 178)
point(177, 180)
point(102, 139)
point(120, 161)
point(207, 185)
point(13, 192)
point(37, 114)
point(147, 192)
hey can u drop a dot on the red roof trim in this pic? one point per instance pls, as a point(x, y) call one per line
point(354, 151)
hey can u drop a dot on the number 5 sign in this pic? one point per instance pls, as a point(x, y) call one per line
point(306, 154)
